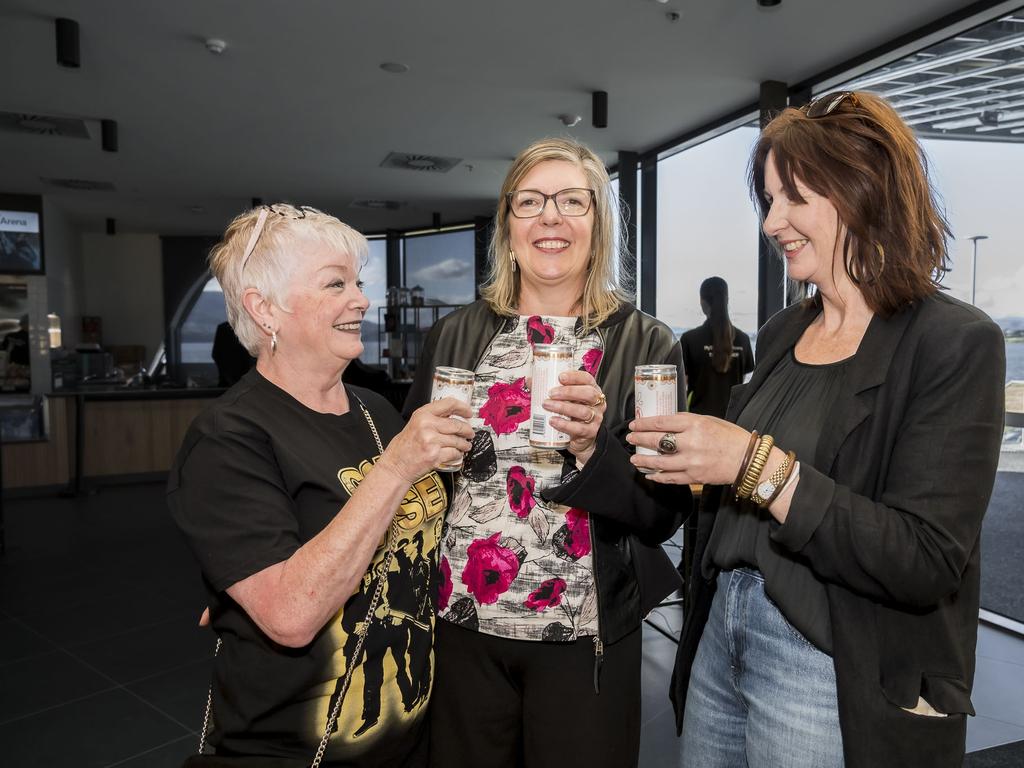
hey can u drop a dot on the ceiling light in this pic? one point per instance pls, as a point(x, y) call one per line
point(215, 45)
point(570, 121)
point(395, 67)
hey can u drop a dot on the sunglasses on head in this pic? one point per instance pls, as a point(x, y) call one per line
point(828, 103)
point(290, 212)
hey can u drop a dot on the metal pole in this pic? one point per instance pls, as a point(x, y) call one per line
point(974, 266)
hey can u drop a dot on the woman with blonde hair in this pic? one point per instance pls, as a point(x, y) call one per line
point(318, 545)
point(551, 558)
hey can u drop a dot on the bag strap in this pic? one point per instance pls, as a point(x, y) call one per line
point(362, 632)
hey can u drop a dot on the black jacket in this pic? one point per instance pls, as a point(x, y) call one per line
point(631, 515)
point(709, 389)
point(891, 523)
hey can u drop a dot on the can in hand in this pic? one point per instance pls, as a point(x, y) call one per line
point(656, 394)
point(457, 383)
point(549, 360)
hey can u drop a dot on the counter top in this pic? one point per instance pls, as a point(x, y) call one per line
point(142, 393)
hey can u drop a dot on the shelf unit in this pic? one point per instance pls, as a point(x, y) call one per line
point(400, 333)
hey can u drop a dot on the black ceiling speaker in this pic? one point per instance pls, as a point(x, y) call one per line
point(108, 135)
point(111, 226)
point(600, 109)
point(257, 202)
point(67, 43)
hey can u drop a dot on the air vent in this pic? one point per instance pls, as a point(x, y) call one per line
point(43, 125)
point(79, 185)
point(376, 205)
point(406, 161)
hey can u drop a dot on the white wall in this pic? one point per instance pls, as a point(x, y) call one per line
point(123, 282)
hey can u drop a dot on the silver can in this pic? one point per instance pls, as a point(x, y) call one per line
point(457, 383)
point(549, 360)
point(656, 394)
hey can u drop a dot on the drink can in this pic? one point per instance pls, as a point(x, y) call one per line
point(549, 360)
point(656, 394)
point(457, 383)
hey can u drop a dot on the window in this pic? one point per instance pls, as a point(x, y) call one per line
point(197, 332)
point(443, 265)
point(374, 275)
point(707, 226)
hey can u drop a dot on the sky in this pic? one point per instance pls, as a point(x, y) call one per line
point(707, 225)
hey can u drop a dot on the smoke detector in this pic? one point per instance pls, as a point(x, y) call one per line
point(215, 45)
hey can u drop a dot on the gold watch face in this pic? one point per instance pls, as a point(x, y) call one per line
point(765, 490)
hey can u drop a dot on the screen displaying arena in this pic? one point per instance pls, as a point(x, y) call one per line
point(21, 234)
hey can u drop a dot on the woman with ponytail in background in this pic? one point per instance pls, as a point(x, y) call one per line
point(716, 356)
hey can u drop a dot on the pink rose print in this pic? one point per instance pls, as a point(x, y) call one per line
point(592, 359)
point(507, 406)
point(547, 595)
point(577, 542)
point(490, 569)
point(539, 332)
point(520, 487)
point(444, 589)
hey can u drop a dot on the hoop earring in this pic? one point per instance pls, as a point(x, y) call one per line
point(881, 256)
point(273, 342)
point(512, 258)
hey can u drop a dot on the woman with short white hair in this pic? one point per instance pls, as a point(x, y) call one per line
point(320, 572)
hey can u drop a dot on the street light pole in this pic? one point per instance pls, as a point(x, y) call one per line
point(974, 269)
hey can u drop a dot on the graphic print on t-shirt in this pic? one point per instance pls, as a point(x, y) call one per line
point(393, 674)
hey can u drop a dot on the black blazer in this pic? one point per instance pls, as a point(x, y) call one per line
point(890, 520)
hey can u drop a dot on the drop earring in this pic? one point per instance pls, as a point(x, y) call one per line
point(512, 258)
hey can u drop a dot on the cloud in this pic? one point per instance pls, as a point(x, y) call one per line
point(448, 269)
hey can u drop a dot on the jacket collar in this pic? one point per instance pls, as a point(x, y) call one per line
point(867, 371)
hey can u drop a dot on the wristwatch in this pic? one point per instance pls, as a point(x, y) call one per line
point(765, 490)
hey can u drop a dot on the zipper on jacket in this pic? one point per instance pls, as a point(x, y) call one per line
point(598, 642)
point(598, 661)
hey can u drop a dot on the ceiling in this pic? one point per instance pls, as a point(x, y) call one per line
point(298, 108)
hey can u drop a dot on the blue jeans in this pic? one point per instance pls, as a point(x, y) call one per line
point(760, 694)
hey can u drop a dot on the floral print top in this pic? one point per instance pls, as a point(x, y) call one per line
point(512, 564)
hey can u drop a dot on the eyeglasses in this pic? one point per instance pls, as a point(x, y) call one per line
point(296, 212)
point(827, 104)
point(529, 203)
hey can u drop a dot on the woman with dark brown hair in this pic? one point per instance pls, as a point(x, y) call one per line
point(834, 606)
point(716, 355)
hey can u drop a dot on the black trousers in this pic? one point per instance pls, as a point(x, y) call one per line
point(521, 704)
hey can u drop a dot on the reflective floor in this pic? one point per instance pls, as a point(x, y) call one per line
point(101, 662)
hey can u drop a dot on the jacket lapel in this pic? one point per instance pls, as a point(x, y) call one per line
point(866, 372)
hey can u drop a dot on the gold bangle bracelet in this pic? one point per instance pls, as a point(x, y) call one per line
point(757, 464)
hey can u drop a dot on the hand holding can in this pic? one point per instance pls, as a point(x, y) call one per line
point(549, 361)
point(458, 384)
point(655, 394)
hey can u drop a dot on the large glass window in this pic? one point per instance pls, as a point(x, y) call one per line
point(197, 332)
point(374, 275)
point(707, 226)
point(442, 265)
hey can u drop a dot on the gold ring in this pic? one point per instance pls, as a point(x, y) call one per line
point(601, 400)
point(593, 413)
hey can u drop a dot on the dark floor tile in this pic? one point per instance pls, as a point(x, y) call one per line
point(149, 651)
point(18, 642)
point(1006, 756)
point(89, 733)
point(996, 643)
point(105, 616)
point(984, 732)
point(180, 693)
point(40, 682)
point(659, 745)
point(167, 756)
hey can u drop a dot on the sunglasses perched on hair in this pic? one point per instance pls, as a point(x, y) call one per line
point(289, 212)
point(827, 104)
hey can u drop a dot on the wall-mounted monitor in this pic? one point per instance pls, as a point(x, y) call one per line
point(21, 235)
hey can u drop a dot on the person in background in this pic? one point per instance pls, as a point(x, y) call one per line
point(716, 355)
point(835, 594)
point(316, 543)
point(551, 559)
point(232, 359)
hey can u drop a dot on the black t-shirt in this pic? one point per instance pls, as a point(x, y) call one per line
point(793, 405)
point(709, 389)
point(258, 475)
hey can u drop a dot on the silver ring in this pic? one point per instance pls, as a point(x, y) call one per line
point(667, 444)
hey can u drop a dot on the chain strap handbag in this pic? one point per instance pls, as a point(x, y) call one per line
point(362, 631)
